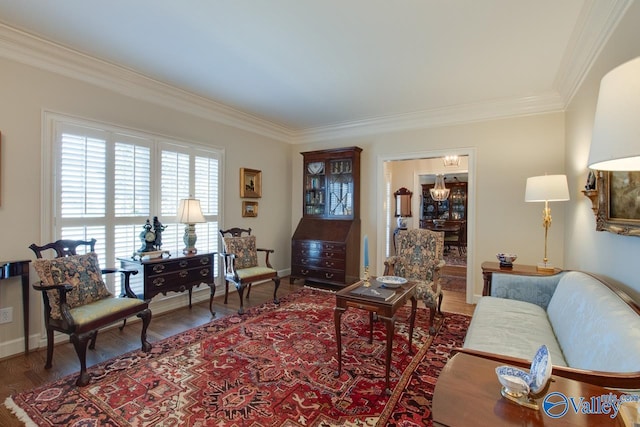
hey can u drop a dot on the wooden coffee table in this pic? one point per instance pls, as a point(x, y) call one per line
point(385, 311)
point(468, 394)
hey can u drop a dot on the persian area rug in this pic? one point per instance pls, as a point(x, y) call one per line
point(273, 366)
point(454, 283)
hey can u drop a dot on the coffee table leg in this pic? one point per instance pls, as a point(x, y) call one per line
point(337, 314)
point(390, 324)
point(371, 327)
point(412, 321)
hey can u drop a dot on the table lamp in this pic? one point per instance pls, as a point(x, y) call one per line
point(546, 188)
point(615, 141)
point(190, 213)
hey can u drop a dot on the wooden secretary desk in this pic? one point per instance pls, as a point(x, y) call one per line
point(325, 248)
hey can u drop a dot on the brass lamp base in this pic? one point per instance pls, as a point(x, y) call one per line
point(546, 266)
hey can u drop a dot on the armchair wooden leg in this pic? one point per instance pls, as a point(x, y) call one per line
point(124, 323)
point(240, 288)
point(276, 281)
point(248, 289)
point(226, 290)
point(145, 315)
point(80, 344)
point(50, 344)
point(440, 297)
point(92, 343)
point(212, 287)
point(432, 318)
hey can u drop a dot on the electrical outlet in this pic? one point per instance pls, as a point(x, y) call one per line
point(6, 315)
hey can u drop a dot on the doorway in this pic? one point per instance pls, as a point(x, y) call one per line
point(423, 163)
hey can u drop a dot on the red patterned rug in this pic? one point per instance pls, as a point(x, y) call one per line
point(273, 366)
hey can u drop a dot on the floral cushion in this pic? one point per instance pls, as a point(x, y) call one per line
point(419, 252)
point(244, 248)
point(80, 271)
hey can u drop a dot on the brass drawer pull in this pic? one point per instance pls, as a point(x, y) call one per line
point(204, 272)
point(183, 273)
point(158, 281)
point(204, 261)
point(158, 268)
point(304, 272)
point(183, 264)
point(329, 264)
point(329, 275)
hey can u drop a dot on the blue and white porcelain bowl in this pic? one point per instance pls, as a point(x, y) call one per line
point(506, 259)
point(515, 381)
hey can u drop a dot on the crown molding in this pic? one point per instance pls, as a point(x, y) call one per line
point(596, 23)
point(448, 116)
point(594, 26)
point(34, 51)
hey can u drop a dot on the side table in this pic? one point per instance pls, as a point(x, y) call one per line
point(467, 393)
point(385, 310)
point(488, 268)
point(9, 269)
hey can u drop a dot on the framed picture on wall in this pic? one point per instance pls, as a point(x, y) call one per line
point(249, 208)
point(618, 207)
point(250, 183)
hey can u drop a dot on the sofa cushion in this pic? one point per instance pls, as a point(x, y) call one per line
point(80, 271)
point(596, 329)
point(534, 289)
point(513, 328)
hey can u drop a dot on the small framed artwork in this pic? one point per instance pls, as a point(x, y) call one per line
point(250, 183)
point(249, 208)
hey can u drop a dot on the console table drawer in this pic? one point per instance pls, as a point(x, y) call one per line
point(323, 275)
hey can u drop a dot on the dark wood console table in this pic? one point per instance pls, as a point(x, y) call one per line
point(488, 268)
point(172, 274)
point(9, 269)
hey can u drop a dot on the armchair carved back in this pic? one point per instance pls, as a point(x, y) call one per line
point(242, 245)
point(419, 254)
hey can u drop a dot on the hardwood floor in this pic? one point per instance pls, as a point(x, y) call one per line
point(21, 372)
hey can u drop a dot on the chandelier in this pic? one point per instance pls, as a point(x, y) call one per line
point(439, 192)
point(451, 161)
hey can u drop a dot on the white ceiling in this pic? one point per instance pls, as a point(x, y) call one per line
point(338, 64)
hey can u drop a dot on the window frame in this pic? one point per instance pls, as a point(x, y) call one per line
point(51, 225)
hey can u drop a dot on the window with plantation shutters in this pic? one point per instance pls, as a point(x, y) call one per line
point(109, 181)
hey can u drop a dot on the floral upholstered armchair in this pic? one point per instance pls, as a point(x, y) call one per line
point(77, 302)
point(419, 257)
point(241, 267)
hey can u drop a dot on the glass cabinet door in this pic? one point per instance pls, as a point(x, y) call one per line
point(458, 198)
point(340, 188)
point(314, 188)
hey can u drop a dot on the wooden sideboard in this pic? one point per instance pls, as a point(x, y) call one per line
point(173, 274)
point(489, 267)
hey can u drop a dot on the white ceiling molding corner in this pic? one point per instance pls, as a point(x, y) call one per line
point(24, 48)
point(594, 27)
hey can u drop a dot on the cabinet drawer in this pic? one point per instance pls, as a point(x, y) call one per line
point(177, 279)
point(318, 274)
point(177, 265)
point(331, 263)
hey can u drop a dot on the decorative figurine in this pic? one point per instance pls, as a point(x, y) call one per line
point(591, 181)
point(158, 228)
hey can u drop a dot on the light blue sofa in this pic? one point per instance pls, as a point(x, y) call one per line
point(592, 331)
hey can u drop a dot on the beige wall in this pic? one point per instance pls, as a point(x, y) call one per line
point(610, 255)
point(26, 92)
point(506, 153)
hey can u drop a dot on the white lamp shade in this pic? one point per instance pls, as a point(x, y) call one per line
point(547, 188)
point(189, 212)
point(615, 142)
